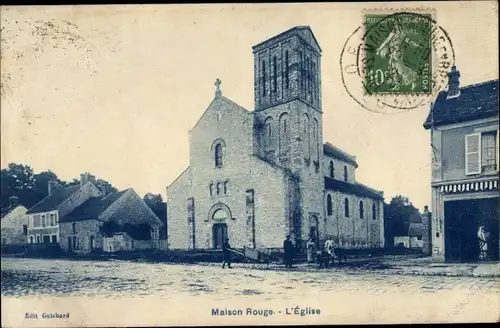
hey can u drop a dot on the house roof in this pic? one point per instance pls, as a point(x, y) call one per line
point(52, 201)
point(7, 210)
point(415, 229)
point(92, 208)
point(331, 150)
point(475, 101)
point(352, 188)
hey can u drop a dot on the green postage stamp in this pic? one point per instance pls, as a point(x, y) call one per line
point(397, 53)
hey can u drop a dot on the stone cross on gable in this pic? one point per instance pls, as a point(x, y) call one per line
point(217, 83)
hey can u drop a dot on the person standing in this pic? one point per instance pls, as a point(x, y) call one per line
point(310, 250)
point(329, 249)
point(288, 252)
point(226, 254)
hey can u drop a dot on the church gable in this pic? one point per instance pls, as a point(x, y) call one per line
point(306, 34)
point(219, 111)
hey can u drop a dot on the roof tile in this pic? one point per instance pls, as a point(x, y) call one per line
point(476, 101)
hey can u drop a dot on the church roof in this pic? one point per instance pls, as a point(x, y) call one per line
point(331, 150)
point(475, 101)
point(52, 201)
point(352, 188)
point(303, 32)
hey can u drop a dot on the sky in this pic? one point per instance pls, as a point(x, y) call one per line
point(114, 90)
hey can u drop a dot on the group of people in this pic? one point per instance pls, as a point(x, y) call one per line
point(289, 249)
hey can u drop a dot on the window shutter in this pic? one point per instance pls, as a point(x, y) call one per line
point(473, 153)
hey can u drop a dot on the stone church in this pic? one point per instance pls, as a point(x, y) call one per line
point(257, 176)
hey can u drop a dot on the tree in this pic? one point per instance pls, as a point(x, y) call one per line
point(159, 207)
point(18, 180)
point(397, 217)
point(153, 199)
point(42, 182)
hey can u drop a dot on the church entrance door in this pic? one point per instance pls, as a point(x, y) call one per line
point(219, 234)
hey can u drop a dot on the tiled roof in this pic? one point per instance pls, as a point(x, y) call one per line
point(474, 102)
point(351, 188)
point(52, 201)
point(92, 208)
point(415, 229)
point(331, 150)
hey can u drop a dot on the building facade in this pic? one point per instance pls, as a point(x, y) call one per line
point(463, 122)
point(73, 217)
point(14, 223)
point(256, 176)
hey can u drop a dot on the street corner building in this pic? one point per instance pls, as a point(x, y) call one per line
point(14, 224)
point(84, 218)
point(257, 176)
point(463, 122)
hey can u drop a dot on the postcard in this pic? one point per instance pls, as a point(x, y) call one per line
point(249, 164)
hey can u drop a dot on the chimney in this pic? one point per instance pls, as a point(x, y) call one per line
point(453, 83)
point(13, 201)
point(102, 189)
point(87, 177)
point(53, 185)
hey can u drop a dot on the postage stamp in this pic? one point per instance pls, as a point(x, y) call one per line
point(396, 60)
point(397, 53)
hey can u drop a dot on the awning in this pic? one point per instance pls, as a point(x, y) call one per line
point(469, 187)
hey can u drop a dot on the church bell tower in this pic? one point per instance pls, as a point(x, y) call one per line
point(288, 117)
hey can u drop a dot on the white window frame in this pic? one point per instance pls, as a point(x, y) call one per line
point(467, 171)
point(490, 131)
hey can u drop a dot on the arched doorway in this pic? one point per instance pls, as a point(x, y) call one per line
point(219, 218)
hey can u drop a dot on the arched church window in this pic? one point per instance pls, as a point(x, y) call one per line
point(218, 188)
point(314, 139)
point(361, 210)
point(332, 170)
point(346, 207)
point(218, 155)
point(329, 205)
point(374, 212)
point(307, 150)
point(345, 173)
point(263, 83)
point(301, 65)
point(225, 187)
point(313, 79)
point(219, 215)
point(306, 74)
point(287, 74)
point(275, 74)
point(211, 189)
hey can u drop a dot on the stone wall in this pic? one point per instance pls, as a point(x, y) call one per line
point(338, 169)
point(354, 231)
point(83, 232)
point(426, 232)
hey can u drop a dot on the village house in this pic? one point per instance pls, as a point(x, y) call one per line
point(76, 218)
point(14, 223)
point(463, 122)
point(257, 176)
